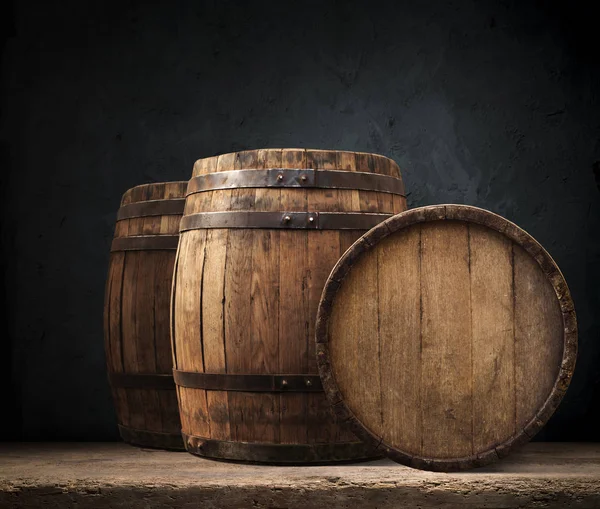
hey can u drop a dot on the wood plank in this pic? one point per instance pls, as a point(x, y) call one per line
point(126, 198)
point(144, 327)
point(355, 359)
point(446, 340)
point(399, 204)
point(170, 420)
point(492, 324)
point(164, 262)
point(122, 406)
point(213, 328)
point(121, 228)
point(213, 306)
point(208, 164)
point(114, 333)
point(387, 166)
point(202, 202)
point(173, 190)
point(253, 417)
point(163, 275)
point(177, 305)
point(293, 307)
point(264, 290)
point(145, 338)
point(221, 199)
point(323, 253)
point(188, 340)
point(238, 284)
point(140, 193)
point(188, 317)
point(538, 336)
point(262, 409)
point(136, 224)
point(385, 201)
point(244, 198)
point(349, 200)
point(152, 224)
point(213, 289)
point(129, 310)
point(115, 276)
point(399, 283)
point(322, 426)
point(129, 320)
point(368, 199)
point(322, 200)
point(170, 224)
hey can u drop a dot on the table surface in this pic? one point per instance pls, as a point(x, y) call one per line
point(551, 469)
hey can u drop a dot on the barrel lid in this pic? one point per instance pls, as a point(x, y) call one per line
point(446, 336)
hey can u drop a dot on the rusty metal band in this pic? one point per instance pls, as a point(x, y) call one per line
point(248, 383)
point(284, 220)
point(152, 208)
point(279, 454)
point(141, 381)
point(153, 439)
point(296, 177)
point(145, 243)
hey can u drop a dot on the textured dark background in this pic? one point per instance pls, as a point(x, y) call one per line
point(489, 103)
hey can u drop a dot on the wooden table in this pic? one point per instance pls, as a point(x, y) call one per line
point(116, 475)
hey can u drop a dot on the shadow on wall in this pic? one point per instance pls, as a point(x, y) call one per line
point(10, 424)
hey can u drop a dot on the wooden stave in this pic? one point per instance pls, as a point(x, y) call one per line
point(457, 213)
point(131, 403)
point(365, 451)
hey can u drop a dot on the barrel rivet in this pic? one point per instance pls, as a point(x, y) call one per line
point(303, 178)
point(308, 383)
point(284, 383)
point(287, 219)
point(311, 219)
point(280, 177)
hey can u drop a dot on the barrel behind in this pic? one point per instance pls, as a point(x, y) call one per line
point(136, 314)
point(262, 230)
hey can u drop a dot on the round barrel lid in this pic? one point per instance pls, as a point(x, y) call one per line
point(446, 336)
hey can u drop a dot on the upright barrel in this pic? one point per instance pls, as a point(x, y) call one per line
point(262, 229)
point(446, 337)
point(136, 314)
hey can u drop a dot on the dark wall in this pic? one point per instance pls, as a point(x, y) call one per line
point(489, 103)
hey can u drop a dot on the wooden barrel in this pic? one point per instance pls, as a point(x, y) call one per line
point(262, 229)
point(446, 336)
point(136, 314)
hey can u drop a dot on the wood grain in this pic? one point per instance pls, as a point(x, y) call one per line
point(399, 336)
point(471, 347)
point(323, 253)
point(445, 341)
point(493, 337)
point(538, 340)
point(260, 290)
point(214, 303)
point(357, 368)
point(293, 307)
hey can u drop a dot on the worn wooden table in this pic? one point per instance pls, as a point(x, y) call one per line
point(115, 475)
